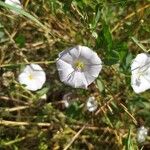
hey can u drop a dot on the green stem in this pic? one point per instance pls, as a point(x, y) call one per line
point(13, 141)
point(19, 64)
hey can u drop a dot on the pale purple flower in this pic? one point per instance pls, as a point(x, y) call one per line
point(140, 68)
point(78, 66)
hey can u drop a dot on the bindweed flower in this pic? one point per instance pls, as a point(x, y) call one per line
point(140, 68)
point(78, 66)
point(142, 134)
point(33, 77)
point(91, 104)
point(15, 3)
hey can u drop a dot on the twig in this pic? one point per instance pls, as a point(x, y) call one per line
point(15, 108)
point(126, 110)
point(26, 3)
point(139, 44)
point(12, 99)
point(15, 123)
point(75, 137)
point(94, 128)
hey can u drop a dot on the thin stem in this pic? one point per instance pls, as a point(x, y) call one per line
point(15, 108)
point(15, 123)
point(13, 141)
point(26, 63)
point(75, 137)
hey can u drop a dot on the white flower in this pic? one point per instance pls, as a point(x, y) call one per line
point(141, 134)
point(140, 68)
point(91, 104)
point(67, 99)
point(15, 3)
point(33, 77)
point(78, 66)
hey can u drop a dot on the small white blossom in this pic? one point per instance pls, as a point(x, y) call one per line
point(78, 66)
point(140, 68)
point(91, 104)
point(15, 3)
point(142, 134)
point(67, 99)
point(33, 77)
point(66, 103)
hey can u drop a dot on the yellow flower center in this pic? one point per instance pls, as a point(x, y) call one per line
point(79, 65)
point(30, 77)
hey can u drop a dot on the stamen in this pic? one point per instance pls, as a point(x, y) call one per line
point(30, 77)
point(79, 65)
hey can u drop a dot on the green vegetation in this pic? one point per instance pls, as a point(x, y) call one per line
point(117, 30)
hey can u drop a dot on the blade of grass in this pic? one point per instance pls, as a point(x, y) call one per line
point(24, 13)
point(139, 44)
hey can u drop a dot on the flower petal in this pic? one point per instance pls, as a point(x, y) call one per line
point(66, 56)
point(35, 67)
point(139, 84)
point(77, 80)
point(141, 60)
point(28, 69)
point(33, 85)
point(64, 69)
point(93, 70)
point(23, 78)
point(75, 52)
point(37, 72)
point(89, 78)
point(89, 55)
point(16, 3)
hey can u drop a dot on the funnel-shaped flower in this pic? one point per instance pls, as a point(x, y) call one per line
point(33, 77)
point(78, 66)
point(140, 68)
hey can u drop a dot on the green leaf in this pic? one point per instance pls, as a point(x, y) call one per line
point(111, 58)
point(42, 91)
point(20, 39)
point(100, 85)
point(104, 39)
point(128, 141)
point(107, 36)
point(129, 59)
point(96, 18)
point(74, 111)
point(22, 12)
point(67, 5)
point(1, 26)
point(1, 34)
